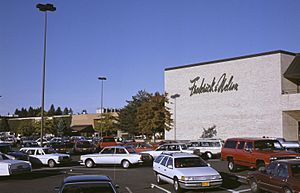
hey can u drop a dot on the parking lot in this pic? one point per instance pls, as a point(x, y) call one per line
point(138, 179)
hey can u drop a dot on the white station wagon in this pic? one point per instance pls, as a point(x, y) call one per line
point(185, 171)
point(10, 167)
point(47, 156)
point(117, 155)
point(168, 148)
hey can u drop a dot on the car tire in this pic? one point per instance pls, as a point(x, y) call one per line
point(125, 164)
point(158, 180)
point(176, 186)
point(232, 166)
point(209, 155)
point(254, 186)
point(89, 163)
point(287, 190)
point(51, 163)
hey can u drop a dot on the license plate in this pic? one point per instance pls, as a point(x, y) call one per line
point(205, 184)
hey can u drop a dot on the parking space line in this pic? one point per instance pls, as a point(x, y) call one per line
point(156, 186)
point(235, 191)
point(128, 189)
point(246, 190)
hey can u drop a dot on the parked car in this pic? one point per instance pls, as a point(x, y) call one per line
point(87, 184)
point(253, 152)
point(207, 147)
point(171, 147)
point(45, 142)
point(279, 176)
point(140, 146)
point(106, 142)
point(83, 147)
point(11, 167)
point(117, 155)
point(7, 149)
point(185, 171)
point(62, 147)
point(47, 156)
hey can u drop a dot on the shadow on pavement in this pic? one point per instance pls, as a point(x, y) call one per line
point(33, 175)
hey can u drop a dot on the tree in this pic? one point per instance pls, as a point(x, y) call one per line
point(58, 111)
point(210, 132)
point(4, 126)
point(62, 126)
point(108, 124)
point(31, 112)
point(66, 111)
point(127, 117)
point(51, 111)
point(153, 116)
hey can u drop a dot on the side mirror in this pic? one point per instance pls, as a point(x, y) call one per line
point(117, 186)
point(170, 166)
point(208, 164)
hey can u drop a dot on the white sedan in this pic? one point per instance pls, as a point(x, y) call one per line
point(46, 156)
point(10, 167)
point(124, 156)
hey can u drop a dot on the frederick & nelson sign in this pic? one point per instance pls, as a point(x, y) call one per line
point(221, 84)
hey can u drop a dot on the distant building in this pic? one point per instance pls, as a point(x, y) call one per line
point(249, 96)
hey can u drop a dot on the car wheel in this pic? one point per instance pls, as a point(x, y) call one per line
point(176, 186)
point(158, 180)
point(51, 163)
point(89, 163)
point(209, 155)
point(231, 166)
point(254, 186)
point(125, 164)
point(287, 190)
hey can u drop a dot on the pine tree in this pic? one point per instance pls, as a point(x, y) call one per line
point(51, 111)
point(66, 111)
point(58, 111)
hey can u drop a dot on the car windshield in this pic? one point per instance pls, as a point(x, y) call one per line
point(188, 162)
point(88, 188)
point(3, 157)
point(268, 145)
point(131, 150)
point(295, 170)
point(49, 151)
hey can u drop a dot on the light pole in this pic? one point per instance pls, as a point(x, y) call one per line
point(174, 96)
point(102, 78)
point(44, 8)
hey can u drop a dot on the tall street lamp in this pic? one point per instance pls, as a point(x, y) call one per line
point(102, 78)
point(44, 8)
point(174, 96)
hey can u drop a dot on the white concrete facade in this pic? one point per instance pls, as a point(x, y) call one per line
point(254, 100)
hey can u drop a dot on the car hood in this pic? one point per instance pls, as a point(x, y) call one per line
point(197, 171)
point(14, 162)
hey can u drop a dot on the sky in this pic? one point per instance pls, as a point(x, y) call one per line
point(130, 42)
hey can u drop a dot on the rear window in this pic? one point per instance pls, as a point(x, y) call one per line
point(230, 144)
point(88, 187)
point(295, 170)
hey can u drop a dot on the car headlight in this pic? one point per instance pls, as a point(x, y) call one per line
point(273, 158)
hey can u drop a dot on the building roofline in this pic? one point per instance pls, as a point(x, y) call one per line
point(231, 59)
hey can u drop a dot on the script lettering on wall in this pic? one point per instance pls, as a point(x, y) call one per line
point(223, 84)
